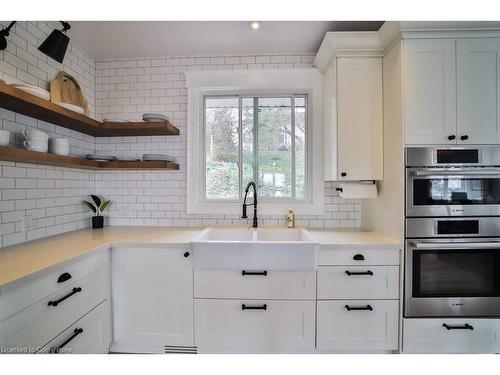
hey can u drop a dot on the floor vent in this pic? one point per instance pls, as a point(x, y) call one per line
point(181, 349)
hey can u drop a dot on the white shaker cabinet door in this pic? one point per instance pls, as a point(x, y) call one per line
point(152, 298)
point(430, 91)
point(359, 116)
point(478, 99)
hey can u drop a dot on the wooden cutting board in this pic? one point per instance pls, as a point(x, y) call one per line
point(66, 89)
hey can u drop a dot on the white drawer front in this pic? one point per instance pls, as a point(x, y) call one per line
point(339, 329)
point(364, 282)
point(39, 323)
point(90, 335)
point(23, 293)
point(358, 257)
point(284, 325)
point(431, 336)
point(255, 284)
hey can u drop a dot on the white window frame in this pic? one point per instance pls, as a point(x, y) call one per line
point(255, 83)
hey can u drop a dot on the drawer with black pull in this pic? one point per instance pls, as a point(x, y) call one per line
point(22, 293)
point(42, 321)
point(364, 282)
point(91, 334)
point(264, 284)
point(451, 335)
point(254, 325)
point(357, 325)
point(350, 256)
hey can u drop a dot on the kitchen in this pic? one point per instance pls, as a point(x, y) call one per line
point(331, 193)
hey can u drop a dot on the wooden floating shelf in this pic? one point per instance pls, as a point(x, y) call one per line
point(26, 104)
point(33, 157)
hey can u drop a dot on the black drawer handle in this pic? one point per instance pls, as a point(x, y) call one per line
point(451, 137)
point(253, 273)
point(64, 277)
point(367, 273)
point(465, 326)
point(73, 292)
point(245, 307)
point(358, 257)
point(76, 332)
point(186, 254)
point(464, 137)
point(359, 308)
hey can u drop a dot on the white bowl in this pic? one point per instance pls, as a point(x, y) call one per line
point(32, 134)
point(36, 145)
point(59, 146)
point(73, 108)
point(4, 137)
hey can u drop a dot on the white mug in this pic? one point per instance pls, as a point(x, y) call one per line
point(4, 137)
point(36, 145)
point(31, 134)
point(59, 146)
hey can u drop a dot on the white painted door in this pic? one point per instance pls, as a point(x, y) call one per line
point(152, 298)
point(478, 83)
point(359, 116)
point(430, 91)
point(357, 325)
point(256, 326)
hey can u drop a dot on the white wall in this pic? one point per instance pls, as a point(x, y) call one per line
point(128, 88)
point(123, 89)
point(51, 196)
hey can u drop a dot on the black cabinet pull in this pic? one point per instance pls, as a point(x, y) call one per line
point(451, 137)
point(186, 254)
point(367, 273)
point(253, 273)
point(245, 307)
point(359, 308)
point(465, 326)
point(358, 257)
point(74, 291)
point(64, 277)
point(343, 174)
point(464, 137)
point(76, 332)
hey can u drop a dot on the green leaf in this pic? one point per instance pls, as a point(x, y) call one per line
point(96, 200)
point(104, 206)
point(90, 206)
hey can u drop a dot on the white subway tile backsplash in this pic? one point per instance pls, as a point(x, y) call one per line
point(124, 88)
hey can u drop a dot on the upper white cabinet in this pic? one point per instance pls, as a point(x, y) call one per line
point(351, 63)
point(152, 298)
point(429, 91)
point(359, 116)
point(478, 69)
point(451, 91)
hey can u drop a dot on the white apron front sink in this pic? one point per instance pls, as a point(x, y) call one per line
point(254, 249)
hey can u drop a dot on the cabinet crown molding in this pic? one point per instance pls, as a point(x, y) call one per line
point(392, 30)
point(347, 44)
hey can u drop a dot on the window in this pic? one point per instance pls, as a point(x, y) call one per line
point(255, 138)
point(255, 125)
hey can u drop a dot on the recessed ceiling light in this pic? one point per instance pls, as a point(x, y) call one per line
point(255, 25)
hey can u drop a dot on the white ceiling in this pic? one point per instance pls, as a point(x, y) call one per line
point(129, 39)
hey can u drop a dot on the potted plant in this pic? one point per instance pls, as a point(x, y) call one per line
point(97, 207)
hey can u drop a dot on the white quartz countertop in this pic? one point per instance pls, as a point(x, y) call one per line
point(24, 259)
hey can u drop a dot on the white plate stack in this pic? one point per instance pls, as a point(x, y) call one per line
point(157, 157)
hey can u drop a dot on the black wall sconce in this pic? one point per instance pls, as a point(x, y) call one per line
point(54, 46)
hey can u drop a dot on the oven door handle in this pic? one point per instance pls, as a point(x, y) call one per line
point(455, 245)
point(461, 172)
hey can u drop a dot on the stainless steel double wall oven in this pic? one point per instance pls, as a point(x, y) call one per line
point(452, 266)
